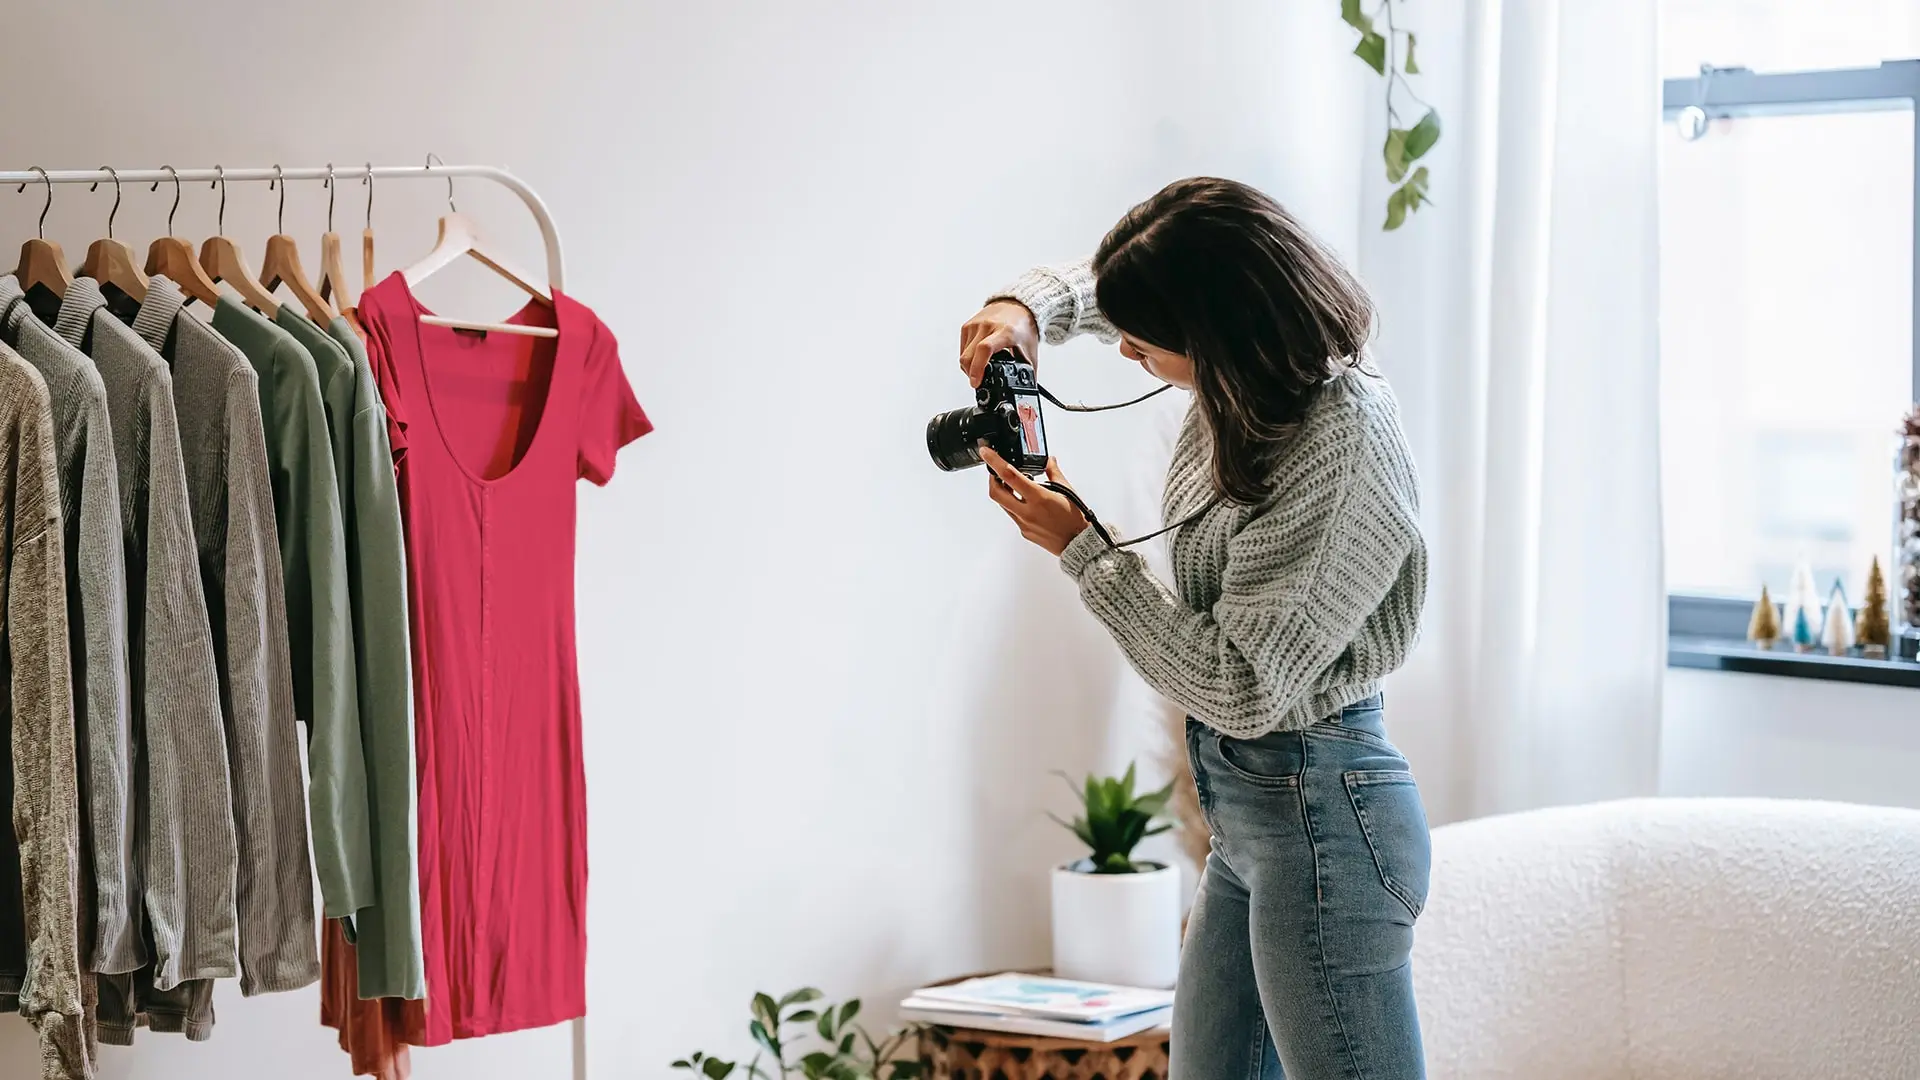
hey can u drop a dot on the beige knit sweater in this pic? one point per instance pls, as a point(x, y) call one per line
point(1281, 614)
point(46, 797)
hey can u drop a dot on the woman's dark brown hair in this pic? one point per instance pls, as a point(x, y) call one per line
point(1219, 272)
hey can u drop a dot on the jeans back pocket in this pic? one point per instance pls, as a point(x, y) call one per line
point(1395, 824)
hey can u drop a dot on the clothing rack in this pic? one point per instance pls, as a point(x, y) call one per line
point(220, 174)
point(549, 234)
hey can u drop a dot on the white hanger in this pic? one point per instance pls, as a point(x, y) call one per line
point(459, 237)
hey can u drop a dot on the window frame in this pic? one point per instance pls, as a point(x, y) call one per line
point(1726, 93)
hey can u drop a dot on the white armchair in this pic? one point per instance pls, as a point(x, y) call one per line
point(1674, 939)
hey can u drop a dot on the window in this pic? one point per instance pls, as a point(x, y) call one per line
point(1787, 293)
point(1785, 35)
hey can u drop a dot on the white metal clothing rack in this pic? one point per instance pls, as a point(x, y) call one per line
point(548, 234)
point(499, 176)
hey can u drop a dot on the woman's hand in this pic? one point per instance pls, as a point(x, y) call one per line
point(1003, 324)
point(1045, 517)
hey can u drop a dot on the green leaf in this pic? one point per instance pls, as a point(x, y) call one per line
point(1411, 67)
point(1396, 154)
point(715, 1069)
point(816, 1063)
point(848, 1011)
point(1396, 209)
point(1373, 49)
point(803, 1016)
point(1416, 188)
point(1351, 14)
point(765, 1038)
point(798, 996)
point(1423, 136)
point(683, 1063)
point(825, 1025)
point(765, 1011)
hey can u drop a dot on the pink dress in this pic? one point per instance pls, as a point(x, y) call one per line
point(492, 431)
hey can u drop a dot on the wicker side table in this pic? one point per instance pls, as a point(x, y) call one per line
point(965, 1054)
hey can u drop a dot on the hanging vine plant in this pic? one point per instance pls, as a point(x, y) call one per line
point(1391, 55)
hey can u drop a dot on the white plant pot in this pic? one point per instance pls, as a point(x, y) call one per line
point(1117, 928)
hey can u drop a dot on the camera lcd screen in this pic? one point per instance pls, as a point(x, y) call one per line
point(1033, 437)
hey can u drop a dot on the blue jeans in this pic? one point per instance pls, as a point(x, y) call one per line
point(1296, 963)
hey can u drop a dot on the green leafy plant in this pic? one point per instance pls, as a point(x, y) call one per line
point(1114, 820)
point(843, 1050)
point(1383, 52)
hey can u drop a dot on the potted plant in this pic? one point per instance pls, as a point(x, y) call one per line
point(843, 1050)
point(1117, 920)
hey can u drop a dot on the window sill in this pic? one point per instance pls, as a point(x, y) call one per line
point(1719, 654)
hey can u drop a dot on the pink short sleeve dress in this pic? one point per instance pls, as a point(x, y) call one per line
point(498, 430)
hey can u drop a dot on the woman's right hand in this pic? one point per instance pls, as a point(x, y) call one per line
point(1002, 324)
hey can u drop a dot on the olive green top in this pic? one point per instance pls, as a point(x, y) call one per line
point(313, 559)
point(388, 937)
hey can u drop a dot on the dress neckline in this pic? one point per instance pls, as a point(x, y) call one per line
point(535, 313)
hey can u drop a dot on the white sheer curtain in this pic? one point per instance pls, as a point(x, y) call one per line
point(1520, 326)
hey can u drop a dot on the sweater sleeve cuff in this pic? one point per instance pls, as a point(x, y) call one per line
point(1051, 297)
point(1081, 551)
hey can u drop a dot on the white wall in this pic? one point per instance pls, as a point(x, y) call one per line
point(824, 683)
point(1732, 734)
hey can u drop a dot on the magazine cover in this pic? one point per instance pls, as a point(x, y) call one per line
point(1038, 995)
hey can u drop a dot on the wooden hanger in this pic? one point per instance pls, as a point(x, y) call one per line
point(42, 263)
point(173, 257)
point(281, 266)
point(334, 284)
point(111, 261)
point(366, 237)
point(459, 237)
point(220, 257)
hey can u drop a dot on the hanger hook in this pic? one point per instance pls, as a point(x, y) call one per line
point(280, 179)
point(368, 180)
point(329, 186)
point(47, 180)
point(115, 212)
point(175, 173)
point(220, 181)
point(432, 160)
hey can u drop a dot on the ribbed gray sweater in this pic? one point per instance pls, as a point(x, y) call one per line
point(216, 399)
point(187, 851)
point(96, 627)
point(1281, 614)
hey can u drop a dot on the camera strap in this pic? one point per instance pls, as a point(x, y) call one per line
point(1101, 530)
point(1058, 404)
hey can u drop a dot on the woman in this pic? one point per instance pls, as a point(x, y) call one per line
point(1297, 587)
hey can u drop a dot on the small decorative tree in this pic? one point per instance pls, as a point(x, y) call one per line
point(1764, 628)
point(1872, 629)
point(1805, 637)
point(1837, 636)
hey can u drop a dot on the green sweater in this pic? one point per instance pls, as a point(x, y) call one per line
point(313, 558)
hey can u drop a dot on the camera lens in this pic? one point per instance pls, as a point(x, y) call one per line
point(953, 438)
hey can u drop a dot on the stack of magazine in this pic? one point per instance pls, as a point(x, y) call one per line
point(1040, 1005)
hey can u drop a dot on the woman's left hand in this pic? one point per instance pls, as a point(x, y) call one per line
point(1045, 517)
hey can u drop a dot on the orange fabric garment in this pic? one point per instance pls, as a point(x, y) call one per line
point(373, 1033)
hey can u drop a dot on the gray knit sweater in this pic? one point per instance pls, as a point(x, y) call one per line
point(1284, 613)
point(216, 399)
point(96, 626)
point(186, 850)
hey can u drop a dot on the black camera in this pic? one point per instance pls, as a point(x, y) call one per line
point(1005, 416)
